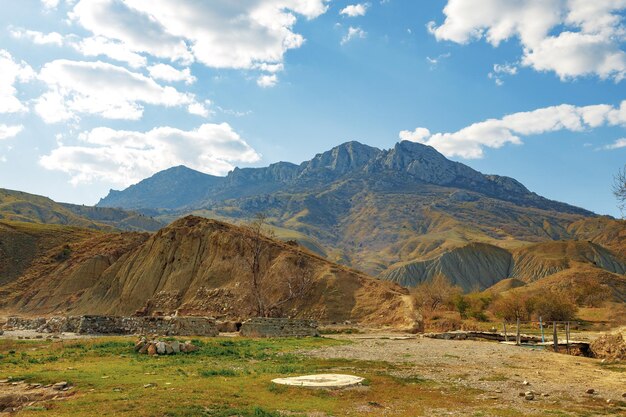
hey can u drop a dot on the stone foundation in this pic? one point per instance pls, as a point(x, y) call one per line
point(168, 326)
point(279, 327)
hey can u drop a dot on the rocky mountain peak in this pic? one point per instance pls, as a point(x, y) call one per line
point(341, 159)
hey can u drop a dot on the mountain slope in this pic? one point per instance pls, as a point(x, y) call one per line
point(381, 210)
point(478, 266)
point(197, 266)
point(23, 243)
point(19, 206)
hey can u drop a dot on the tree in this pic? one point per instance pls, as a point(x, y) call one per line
point(619, 188)
point(435, 293)
point(255, 249)
point(257, 246)
point(554, 306)
point(512, 307)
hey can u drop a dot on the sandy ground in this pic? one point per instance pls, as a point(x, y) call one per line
point(32, 334)
point(501, 371)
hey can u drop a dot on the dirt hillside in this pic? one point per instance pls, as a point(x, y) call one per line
point(198, 266)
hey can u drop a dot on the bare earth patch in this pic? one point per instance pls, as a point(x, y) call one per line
point(501, 374)
point(17, 395)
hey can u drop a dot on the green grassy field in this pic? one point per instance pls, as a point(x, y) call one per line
point(227, 377)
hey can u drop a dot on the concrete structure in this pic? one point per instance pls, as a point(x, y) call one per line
point(278, 327)
point(320, 381)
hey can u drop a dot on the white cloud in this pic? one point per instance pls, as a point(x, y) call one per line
point(266, 81)
point(200, 109)
point(354, 10)
point(569, 37)
point(435, 61)
point(7, 132)
point(219, 33)
point(98, 88)
point(618, 144)
point(101, 46)
point(12, 72)
point(499, 70)
point(353, 33)
point(38, 38)
point(126, 157)
point(170, 74)
point(50, 4)
point(469, 142)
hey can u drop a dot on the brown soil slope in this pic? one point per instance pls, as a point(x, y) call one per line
point(198, 266)
point(23, 243)
point(481, 265)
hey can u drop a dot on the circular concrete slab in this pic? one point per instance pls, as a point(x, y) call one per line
point(321, 381)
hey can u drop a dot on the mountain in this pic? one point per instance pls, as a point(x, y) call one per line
point(196, 266)
point(397, 213)
point(18, 206)
point(408, 162)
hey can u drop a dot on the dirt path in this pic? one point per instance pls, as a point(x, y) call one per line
point(502, 372)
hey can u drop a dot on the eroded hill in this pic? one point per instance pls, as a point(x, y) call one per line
point(197, 266)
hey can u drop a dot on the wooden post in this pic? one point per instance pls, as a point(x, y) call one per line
point(506, 336)
point(518, 338)
point(567, 336)
point(555, 338)
point(543, 338)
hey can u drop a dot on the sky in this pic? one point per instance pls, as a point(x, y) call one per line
point(99, 94)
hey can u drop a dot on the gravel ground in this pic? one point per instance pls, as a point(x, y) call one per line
point(500, 371)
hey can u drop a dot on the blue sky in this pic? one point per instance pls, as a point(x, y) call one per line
point(98, 94)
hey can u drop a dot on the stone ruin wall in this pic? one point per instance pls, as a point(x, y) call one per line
point(279, 327)
point(168, 326)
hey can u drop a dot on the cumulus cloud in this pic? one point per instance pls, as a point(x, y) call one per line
point(170, 74)
point(126, 157)
point(50, 4)
point(7, 132)
point(469, 142)
point(38, 38)
point(267, 81)
point(618, 144)
point(572, 38)
point(220, 33)
point(101, 46)
point(98, 88)
point(355, 10)
point(353, 33)
point(12, 72)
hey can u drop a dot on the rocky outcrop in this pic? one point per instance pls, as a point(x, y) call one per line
point(278, 327)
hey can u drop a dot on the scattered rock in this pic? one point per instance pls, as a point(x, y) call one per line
point(525, 383)
point(150, 385)
point(60, 386)
point(159, 347)
point(529, 396)
point(590, 391)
